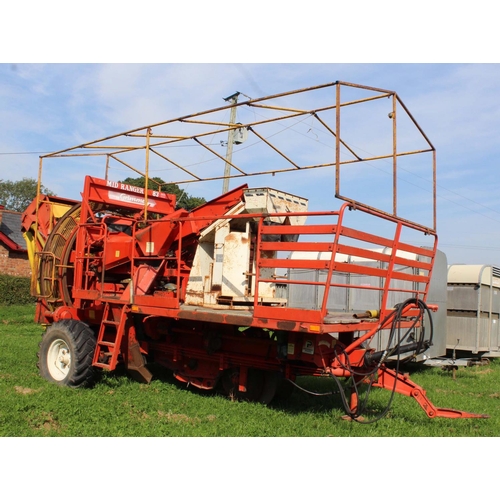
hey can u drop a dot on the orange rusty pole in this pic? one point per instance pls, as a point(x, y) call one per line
point(34, 283)
point(147, 175)
point(106, 175)
point(394, 158)
point(337, 141)
point(434, 183)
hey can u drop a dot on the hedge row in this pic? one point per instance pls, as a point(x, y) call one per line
point(15, 290)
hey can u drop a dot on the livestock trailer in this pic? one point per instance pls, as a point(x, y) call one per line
point(473, 310)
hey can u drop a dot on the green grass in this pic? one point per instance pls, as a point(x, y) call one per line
point(116, 405)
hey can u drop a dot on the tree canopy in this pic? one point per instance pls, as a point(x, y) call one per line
point(17, 195)
point(184, 200)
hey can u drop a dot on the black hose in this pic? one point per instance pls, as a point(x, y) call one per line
point(377, 359)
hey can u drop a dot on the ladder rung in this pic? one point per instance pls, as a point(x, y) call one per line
point(109, 322)
point(111, 357)
point(102, 365)
point(106, 343)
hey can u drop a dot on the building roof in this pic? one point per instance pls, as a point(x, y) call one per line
point(10, 231)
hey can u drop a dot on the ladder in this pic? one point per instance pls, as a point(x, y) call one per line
point(110, 336)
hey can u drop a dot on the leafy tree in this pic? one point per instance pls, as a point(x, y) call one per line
point(183, 199)
point(17, 195)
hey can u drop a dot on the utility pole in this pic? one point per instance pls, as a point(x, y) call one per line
point(230, 141)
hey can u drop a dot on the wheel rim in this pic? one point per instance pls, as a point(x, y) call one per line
point(58, 359)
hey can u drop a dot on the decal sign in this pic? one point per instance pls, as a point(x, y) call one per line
point(129, 198)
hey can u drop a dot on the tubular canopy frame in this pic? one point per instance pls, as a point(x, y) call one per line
point(206, 127)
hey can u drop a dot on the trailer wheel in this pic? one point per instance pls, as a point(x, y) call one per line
point(284, 390)
point(261, 385)
point(66, 352)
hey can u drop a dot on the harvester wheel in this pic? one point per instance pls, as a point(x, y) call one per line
point(66, 352)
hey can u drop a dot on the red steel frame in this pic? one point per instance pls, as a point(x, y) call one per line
point(98, 302)
point(93, 253)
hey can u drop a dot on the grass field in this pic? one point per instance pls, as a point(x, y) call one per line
point(118, 406)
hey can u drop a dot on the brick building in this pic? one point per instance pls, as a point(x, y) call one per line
point(13, 255)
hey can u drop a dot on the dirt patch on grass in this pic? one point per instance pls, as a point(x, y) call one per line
point(178, 417)
point(138, 414)
point(484, 371)
point(447, 391)
point(25, 390)
point(46, 423)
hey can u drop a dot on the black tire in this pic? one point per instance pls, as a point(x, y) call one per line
point(66, 353)
point(284, 390)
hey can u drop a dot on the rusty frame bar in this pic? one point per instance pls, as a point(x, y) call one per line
point(180, 167)
point(220, 156)
point(394, 159)
point(273, 147)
